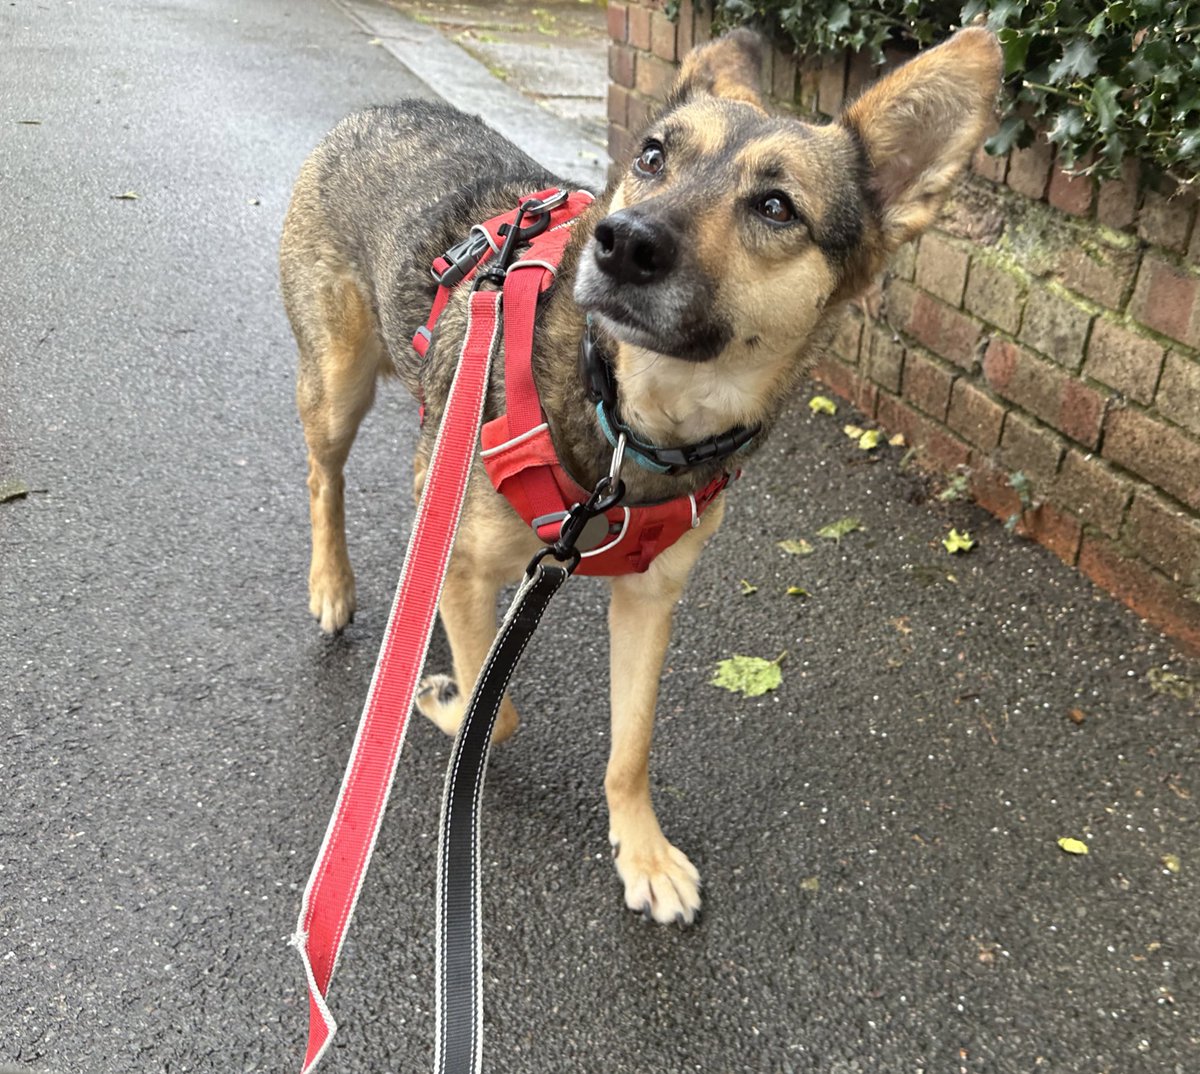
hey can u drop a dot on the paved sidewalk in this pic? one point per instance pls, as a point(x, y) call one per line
point(879, 836)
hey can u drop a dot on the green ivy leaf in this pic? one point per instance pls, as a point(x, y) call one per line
point(1014, 43)
point(1078, 61)
point(750, 676)
point(1104, 101)
point(835, 531)
point(1013, 132)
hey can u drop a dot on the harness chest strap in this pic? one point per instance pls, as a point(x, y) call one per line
point(518, 452)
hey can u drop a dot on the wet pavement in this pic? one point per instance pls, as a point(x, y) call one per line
point(885, 891)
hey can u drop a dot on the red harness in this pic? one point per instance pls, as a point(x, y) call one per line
point(517, 449)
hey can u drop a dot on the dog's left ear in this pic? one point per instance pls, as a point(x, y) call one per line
point(921, 125)
point(729, 67)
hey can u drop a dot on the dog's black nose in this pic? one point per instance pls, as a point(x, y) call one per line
point(632, 248)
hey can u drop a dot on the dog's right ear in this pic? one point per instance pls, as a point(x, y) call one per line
point(729, 67)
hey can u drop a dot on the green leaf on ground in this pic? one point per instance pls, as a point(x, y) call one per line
point(821, 404)
point(958, 542)
point(1167, 682)
point(796, 547)
point(747, 587)
point(12, 488)
point(1171, 863)
point(797, 591)
point(129, 195)
point(750, 676)
point(1073, 846)
point(810, 883)
point(835, 531)
point(870, 440)
point(852, 431)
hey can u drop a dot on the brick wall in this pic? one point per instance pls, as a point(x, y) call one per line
point(1049, 325)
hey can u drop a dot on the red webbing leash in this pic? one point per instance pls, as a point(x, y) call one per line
point(337, 876)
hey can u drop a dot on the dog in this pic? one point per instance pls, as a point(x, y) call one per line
point(711, 273)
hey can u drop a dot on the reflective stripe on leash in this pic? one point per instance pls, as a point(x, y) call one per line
point(337, 876)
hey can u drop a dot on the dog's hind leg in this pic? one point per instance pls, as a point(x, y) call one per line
point(340, 358)
point(659, 879)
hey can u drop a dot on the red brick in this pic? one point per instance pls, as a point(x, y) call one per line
point(1044, 390)
point(865, 396)
point(883, 357)
point(1155, 598)
point(639, 27)
point(620, 146)
point(1071, 193)
point(654, 77)
point(1166, 220)
point(641, 110)
point(662, 37)
point(1029, 169)
point(975, 415)
point(1056, 327)
point(1117, 201)
point(1165, 299)
point(808, 84)
point(991, 490)
point(990, 167)
point(904, 262)
point(942, 268)
point(849, 336)
point(684, 33)
point(943, 330)
point(995, 295)
point(1178, 395)
point(836, 376)
point(831, 84)
point(1081, 413)
point(1029, 447)
point(618, 21)
point(1056, 530)
point(1125, 361)
point(1166, 536)
point(861, 72)
point(618, 105)
point(1160, 453)
point(783, 77)
point(927, 384)
point(622, 65)
point(1093, 491)
point(937, 448)
point(1097, 271)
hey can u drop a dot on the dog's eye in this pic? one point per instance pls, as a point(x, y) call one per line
point(652, 160)
point(776, 207)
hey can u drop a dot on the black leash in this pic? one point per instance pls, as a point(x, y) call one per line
point(459, 933)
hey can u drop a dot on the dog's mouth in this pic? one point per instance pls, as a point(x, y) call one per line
point(661, 317)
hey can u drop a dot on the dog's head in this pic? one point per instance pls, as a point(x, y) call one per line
point(734, 231)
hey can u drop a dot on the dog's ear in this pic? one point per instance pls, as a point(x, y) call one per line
point(921, 125)
point(729, 67)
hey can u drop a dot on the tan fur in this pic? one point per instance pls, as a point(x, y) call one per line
point(862, 186)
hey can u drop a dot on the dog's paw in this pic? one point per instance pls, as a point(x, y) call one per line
point(331, 598)
point(440, 699)
point(660, 882)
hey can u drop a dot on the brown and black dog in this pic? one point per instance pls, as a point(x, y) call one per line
point(714, 271)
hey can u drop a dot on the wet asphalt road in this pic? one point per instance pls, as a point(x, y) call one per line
point(884, 890)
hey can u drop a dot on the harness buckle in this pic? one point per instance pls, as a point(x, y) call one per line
point(461, 258)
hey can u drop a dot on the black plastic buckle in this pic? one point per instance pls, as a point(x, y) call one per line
point(462, 257)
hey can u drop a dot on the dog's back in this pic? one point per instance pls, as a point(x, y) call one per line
point(387, 191)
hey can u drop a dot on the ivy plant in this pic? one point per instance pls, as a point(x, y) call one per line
point(1106, 81)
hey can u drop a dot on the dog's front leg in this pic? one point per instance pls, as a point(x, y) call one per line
point(659, 879)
